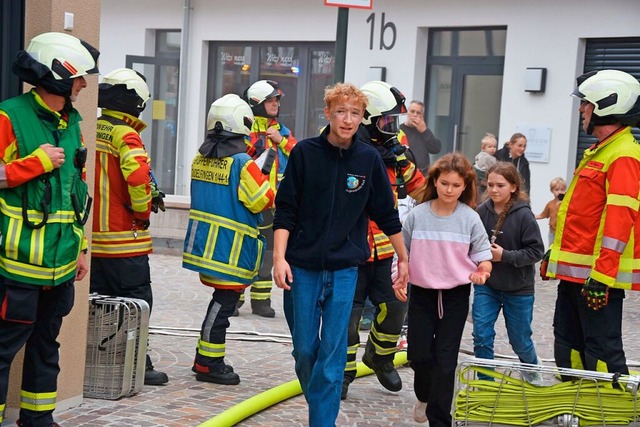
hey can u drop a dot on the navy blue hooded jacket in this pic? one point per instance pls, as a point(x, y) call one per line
point(325, 200)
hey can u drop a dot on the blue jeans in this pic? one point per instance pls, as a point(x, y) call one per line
point(322, 303)
point(518, 315)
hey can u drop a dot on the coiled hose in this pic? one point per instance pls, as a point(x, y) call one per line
point(512, 401)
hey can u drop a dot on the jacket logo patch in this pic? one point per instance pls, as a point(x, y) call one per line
point(595, 165)
point(355, 182)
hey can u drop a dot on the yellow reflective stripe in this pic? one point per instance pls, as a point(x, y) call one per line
point(236, 248)
point(36, 256)
point(208, 349)
point(107, 236)
point(262, 284)
point(623, 200)
point(2, 406)
point(383, 313)
point(38, 401)
point(384, 351)
point(105, 148)
point(131, 154)
point(34, 215)
point(223, 222)
point(138, 246)
point(35, 271)
point(389, 338)
point(14, 229)
point(104, 192)
point(579, 259)
point(218, 266)
point(351, 365)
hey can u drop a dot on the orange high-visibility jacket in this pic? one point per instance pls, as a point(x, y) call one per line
point(122, 189)
point(598, 228)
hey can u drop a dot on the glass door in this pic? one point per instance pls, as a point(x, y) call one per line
point(476, 106)
point(160, 115)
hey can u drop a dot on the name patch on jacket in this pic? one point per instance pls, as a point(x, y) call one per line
point(354, 182)
point(215, 171)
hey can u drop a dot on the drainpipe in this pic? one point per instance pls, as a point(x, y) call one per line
point(181, 145)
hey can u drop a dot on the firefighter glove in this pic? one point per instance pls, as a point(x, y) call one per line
point(544, 264)
point(596, 293)
point(157, 198)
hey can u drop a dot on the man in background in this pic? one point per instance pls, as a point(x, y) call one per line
point(416, 134)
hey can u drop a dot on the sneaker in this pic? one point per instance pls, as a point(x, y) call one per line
point(533, 378)
point(402, 342)
point(420, 412)
point(224, 376)
point(387, 374)
point(153, 377)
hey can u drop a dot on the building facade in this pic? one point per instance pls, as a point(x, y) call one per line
point(498, 66)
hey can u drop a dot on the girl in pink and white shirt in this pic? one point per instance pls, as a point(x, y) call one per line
point(448, 249)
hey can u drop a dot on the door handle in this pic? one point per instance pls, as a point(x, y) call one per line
point(455, 137)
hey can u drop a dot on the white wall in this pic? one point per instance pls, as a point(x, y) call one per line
point(541, 33)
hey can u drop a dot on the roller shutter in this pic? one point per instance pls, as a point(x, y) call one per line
point(615, 53)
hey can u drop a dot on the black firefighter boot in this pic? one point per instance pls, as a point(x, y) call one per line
point(262, 308)
point(385, 371)
point(153, 377)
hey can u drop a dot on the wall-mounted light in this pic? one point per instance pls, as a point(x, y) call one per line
point(378, 73)
point(535, 80)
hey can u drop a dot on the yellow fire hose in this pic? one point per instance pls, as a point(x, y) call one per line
point(511, 401)
point(275, 395)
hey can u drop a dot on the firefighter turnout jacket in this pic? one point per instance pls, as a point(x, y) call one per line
point(404, 173)
point(122, 188)
point(598, 227)
point(41, 234)
point(223, 242)
point(258, 143)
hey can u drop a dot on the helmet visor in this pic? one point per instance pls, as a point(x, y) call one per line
point(389, 124)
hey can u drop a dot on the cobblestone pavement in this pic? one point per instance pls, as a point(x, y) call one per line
point(180, 302)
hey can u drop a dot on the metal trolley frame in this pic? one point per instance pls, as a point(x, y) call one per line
point(496, 393)
point(116, 347)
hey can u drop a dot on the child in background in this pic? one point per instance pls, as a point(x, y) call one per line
point(449, 249)
point(558, 186)
point(516, 245)
point(484, 160)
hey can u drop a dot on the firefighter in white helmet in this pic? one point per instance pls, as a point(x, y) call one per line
point(121, 242)
point(597, 240)
point(43, 207)
point(270, 143)
point(381, 127)
point(223, 242)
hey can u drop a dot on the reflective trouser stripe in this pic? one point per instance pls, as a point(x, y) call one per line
point(208, 349)
point(351, 358)
point(261, 290)
point(38, 401)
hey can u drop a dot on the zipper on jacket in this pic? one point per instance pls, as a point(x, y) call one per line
point(333, 193)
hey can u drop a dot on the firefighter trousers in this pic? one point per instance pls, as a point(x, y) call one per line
point(211, 345)
point(374, 281)
point(31, 316)
point(588, 339)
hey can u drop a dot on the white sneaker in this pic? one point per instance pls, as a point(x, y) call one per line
point(402, 342)
point(420, 412)
point(533, 378)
